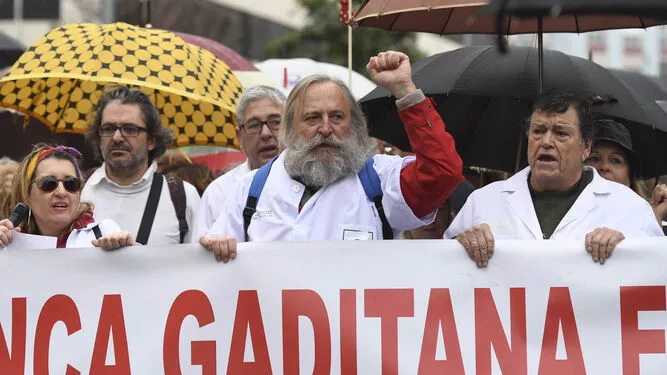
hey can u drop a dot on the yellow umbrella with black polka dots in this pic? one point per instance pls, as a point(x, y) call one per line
point(60, 79)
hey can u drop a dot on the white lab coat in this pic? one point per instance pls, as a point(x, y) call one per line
point(215, 195)
point(507, 207)
point(336, 212)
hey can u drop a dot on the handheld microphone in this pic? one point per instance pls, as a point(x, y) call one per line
point(19, 214)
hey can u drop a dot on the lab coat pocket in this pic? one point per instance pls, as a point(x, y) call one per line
point(357, 232)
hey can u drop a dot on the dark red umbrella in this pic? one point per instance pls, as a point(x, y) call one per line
point(221, 161)
point(463, 16)
point(432, 16)
point(244, 70)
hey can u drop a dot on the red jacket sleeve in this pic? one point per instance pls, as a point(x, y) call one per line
point(432, 178)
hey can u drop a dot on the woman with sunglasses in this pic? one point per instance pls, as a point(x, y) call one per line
point(48, 180)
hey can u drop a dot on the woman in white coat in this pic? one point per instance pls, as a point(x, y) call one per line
point(49, 181)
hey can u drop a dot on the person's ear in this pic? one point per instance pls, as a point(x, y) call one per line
point(152, 142)
point(587, 149)
point(238, 131)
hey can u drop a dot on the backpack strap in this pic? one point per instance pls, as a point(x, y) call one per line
point(150, 209)
point(97, 231)
point(256, 187)
point(177, 191)
point(373, 188)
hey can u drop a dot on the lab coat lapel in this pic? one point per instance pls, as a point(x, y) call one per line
point(586, 201)
point(519, 200)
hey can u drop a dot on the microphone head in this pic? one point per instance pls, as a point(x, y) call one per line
point(19, 213)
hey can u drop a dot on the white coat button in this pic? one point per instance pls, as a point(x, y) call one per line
point(296, 188)
point(296, 228)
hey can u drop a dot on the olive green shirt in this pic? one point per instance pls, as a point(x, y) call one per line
point(551, 207)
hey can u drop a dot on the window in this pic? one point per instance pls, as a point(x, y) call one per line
point(633, 44)
point(596, 38)
point(32, 9)
point(6, 9)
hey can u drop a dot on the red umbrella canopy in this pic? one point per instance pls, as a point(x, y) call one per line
point(467, 17)
point(244, 70)
point(221, 51)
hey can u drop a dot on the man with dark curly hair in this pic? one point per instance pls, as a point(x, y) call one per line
point(128, 136)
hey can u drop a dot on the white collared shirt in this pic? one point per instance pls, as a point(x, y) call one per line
point(125, 205)
point(507, 207)
point(215, 195)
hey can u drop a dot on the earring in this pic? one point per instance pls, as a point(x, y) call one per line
point(29, 214)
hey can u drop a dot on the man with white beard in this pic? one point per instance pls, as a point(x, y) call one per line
point(313, 189)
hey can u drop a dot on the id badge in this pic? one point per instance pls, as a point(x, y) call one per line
point(357, 233)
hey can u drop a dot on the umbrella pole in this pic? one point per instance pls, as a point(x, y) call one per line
point(540, 86)
point(540, 55)
point(349, 47)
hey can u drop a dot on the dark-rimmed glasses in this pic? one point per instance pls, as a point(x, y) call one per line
point(254, 127)
point(131, 131)
point(48, 184)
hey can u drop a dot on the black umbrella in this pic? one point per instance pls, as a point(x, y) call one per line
point(650, 87)
point(10, 50)
point(573, 16)
point(580, 9)
point(485, 96)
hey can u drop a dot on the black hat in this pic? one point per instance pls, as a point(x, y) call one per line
point(612, 131)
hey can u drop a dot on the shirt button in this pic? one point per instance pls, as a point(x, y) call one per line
point(296, 228)
point(296, 188)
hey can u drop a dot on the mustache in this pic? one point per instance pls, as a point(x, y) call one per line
point(119, 146)
point(320, 140)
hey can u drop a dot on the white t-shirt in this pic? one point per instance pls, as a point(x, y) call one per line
point(125, 205)
point(215, 195)
point(336, 212)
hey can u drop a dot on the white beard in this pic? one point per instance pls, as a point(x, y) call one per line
point(320, 167)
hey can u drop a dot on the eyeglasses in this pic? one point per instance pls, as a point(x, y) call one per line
point(48, 184)
point(131, 131)
point(253, 127)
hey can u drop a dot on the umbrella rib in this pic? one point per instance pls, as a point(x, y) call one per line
point(641, 21)
point(391, 26)
point(483, 51)
point(449, 17)
point(576, 22)
point(573, 68)
point(509, 22)
point(474, 128)
point(398, 15)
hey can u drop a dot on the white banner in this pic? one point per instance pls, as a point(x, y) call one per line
point(392, 307)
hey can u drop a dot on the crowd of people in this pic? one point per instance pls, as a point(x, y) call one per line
point(313, 173)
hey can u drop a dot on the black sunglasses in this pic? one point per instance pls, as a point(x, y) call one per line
point(50, 183)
